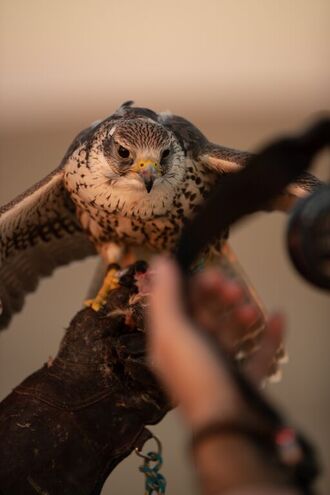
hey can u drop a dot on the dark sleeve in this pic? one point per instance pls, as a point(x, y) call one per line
point(65, 428)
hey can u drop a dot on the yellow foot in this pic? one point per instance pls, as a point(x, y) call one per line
point(110, 282)
point(94, 304)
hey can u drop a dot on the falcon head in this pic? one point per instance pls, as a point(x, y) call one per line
point(128, 163)
point(137, 156)
point(141, 155)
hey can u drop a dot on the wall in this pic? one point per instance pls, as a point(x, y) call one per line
point(243, 72)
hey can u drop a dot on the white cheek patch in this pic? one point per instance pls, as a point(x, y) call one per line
point(130, 182)
point(99, 166)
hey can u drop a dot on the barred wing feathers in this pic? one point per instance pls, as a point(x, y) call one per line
point(39, 231)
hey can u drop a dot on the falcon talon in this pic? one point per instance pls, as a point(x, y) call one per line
point(110, 282)
point(93, 304)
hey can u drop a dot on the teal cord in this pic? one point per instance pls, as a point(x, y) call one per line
point(155, 482)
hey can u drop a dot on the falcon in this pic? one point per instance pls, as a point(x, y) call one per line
point(128, 182)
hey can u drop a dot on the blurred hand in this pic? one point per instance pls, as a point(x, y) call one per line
point(184, 360)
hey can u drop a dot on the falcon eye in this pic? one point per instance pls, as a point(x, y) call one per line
point(123, 152)
point(165, 154)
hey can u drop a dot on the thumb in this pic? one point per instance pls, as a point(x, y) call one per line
point(165, 301)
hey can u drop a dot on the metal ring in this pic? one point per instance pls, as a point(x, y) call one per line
point(159, 448)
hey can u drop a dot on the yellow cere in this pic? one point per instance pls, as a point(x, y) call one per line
point(143, 164)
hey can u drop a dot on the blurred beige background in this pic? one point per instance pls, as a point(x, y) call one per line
point(243, 72)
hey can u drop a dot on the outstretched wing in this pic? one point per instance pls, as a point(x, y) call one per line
point(226, 160)
point(223, 161)
point(39, 231)
point(218, 158)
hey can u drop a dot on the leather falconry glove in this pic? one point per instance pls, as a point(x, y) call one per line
point(66, 426)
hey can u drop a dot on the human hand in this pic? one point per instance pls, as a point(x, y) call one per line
point(185, 361)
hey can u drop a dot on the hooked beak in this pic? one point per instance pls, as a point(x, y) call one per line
point(148, 182)
point(149, 171)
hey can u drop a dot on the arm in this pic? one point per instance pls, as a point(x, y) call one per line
point(229, 459)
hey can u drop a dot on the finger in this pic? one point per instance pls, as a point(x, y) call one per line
point(212, 283)
point(237, 326)
point(183, 360)
point(166, 295)
point(225, 312)
point(165, 316)
point(257, 368)
point(213, 297)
